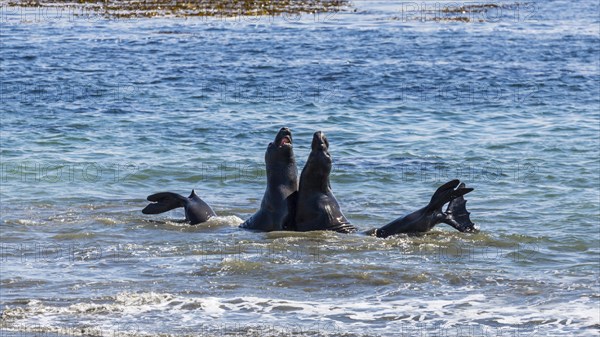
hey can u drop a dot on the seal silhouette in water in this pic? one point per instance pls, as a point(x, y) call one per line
point(282, 181)
point(426, 218)
point(196, 210)
point(314, 207)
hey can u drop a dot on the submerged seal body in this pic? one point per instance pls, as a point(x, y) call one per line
point(424, 219)
point(316, 208)
point(282, 181)
point(196, 210)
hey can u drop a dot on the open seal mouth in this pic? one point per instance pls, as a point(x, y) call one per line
point(284, 138)
point(287, 140)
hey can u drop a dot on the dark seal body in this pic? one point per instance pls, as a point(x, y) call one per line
point(316, 206)
point(282, 181)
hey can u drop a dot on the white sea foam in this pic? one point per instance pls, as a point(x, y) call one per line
point(475, 312)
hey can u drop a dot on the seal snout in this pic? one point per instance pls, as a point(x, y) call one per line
point(319, 141)
point(284, 137)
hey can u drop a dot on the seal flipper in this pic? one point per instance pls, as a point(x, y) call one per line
point(447, 193)
point(457, 215)
point(164, 202)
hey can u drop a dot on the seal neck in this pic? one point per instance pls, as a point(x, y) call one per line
point(314, 181)
point(283, 173)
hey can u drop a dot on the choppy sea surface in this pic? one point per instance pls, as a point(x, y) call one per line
point(97, 113)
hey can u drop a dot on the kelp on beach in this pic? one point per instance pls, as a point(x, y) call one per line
point(209, 8)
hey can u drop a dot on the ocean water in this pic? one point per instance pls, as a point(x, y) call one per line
point(97, 113)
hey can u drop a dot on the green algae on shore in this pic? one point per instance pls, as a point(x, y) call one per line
point(187, 8)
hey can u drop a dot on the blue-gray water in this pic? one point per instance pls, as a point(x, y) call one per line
point(98, 113)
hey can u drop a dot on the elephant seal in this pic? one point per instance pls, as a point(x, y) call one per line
point(315, 205)
point(196, 210)
point(426, 218)
point(282, 181)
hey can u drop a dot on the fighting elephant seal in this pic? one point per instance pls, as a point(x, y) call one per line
point(316, 208)
point(282, 181)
